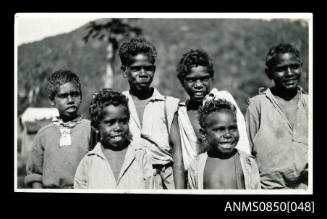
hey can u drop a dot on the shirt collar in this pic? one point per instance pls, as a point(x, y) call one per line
point(70, 124)
point(97, 150)
point(155, 96)
point(267, 91)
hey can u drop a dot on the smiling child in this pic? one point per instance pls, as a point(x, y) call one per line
point(116, 162)
point(222, 166)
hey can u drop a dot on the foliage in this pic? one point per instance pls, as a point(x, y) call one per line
point(237, 46)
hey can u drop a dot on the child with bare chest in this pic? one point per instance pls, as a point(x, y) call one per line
point(223, 166)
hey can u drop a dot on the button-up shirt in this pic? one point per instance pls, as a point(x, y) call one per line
point(95, 172)
point(153, 133)
point(281, 150)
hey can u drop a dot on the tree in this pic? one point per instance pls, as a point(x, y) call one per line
point(113, 31)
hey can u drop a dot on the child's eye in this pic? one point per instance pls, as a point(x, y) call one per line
point(109, 122)
point(62, 95)
point(294, 67)
point(75, 94)
point(124, 121)
point(219, 129)
point(190, 80)
point(280, 69)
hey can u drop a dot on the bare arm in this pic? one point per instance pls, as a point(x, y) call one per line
point(175, 142)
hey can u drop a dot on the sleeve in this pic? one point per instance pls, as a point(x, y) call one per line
point(252, 123)
point(80, 179)
point(191, 177)
point(256, 175)
point(171, 108)
point(147, 170)
point(243, 143)
point(34, 166)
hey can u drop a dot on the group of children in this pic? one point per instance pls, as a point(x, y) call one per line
point(147, 140)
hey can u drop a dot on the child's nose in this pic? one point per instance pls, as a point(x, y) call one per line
point(227, 134)
point(289, 71)
point(198, 83)
point(69, 98)
point(118, 126)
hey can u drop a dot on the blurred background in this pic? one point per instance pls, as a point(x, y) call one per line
point(237, 47)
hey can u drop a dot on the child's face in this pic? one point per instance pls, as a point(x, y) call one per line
point(67, 100)
point(286, 71)
point(221, 131)
point(140, 73)
point(197, 83)
point(113, 126)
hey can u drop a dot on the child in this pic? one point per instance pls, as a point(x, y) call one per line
point(195, 72)
point(151, 112)
point(115, 162)
point(277, 123)
point(223, 166)
point(59, 146)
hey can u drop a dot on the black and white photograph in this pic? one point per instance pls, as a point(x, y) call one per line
point(164, 103)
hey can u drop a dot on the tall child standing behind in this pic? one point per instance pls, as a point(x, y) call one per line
point(59, 146)
point(151, 112)
point(196, 74)
point(277, 123)
point(116, 162)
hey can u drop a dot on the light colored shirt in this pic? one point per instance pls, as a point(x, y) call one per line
point(248, 166)
point(153, 134)
point(189, 140)
point(53, 165)
point(95, 172)
point(281, 150)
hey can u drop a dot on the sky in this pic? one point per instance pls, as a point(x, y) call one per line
point(30, 29)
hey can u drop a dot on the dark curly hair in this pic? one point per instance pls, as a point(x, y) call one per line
point(134, 47)
point(103, 99)
point(214, 106)
point(281, 48)
point(59, 78)
point(193, 58)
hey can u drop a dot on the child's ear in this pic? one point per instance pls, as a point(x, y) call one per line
point(52, 103)
point(202, 131)
point(123, 69)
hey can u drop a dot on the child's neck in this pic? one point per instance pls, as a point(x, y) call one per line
point(142, 94)
point(217, 154)
point(68, 119)
point(193, 104)
point(121, 147)
point(284, 94)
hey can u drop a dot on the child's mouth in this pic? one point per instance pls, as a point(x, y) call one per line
point(226, 145)
point(290, 82)
point(198, 94)
point(71, 109)
point(117, 138)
